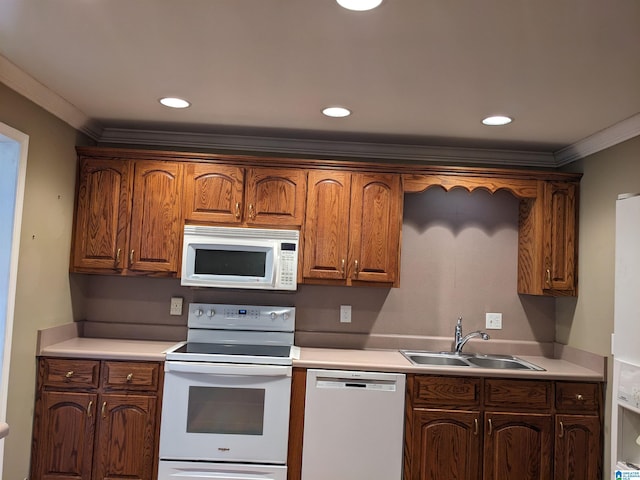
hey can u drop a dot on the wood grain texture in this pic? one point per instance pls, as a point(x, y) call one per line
point(213, 193)
point(448, 443)
point(296, 424)
point(102, 214)
point(502, 394)
point(520, 188)
point(441, 391)
point(578, 454)
point(275, 197)
point(518, 446)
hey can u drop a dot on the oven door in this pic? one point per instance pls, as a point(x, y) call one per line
point(225, 412)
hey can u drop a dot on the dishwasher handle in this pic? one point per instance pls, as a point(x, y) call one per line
point(357, 384)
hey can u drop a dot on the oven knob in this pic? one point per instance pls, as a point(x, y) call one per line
point(211, 313)
point(285, 315)
point(198, 313)
point(273, 315)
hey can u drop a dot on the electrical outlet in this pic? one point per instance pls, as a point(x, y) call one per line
point(345, 313)
point(494, 321)
point(176, 306)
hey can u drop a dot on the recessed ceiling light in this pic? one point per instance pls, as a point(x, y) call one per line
point(174, 102)
point(359, 5)
point(497, 120)
point(336, 112)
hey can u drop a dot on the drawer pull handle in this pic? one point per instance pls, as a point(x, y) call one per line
point(561, 430)
point(475, 425)
point(579, 397)
point(89, 408)
point(252, 212)
point(104, 409)
point(69, 374)
point(342, 268)
point(237, 209)
point(490, 428)
point(131, 257)
point(548, 277)
point(129, 377)
point(118, 256)
point(357, 268)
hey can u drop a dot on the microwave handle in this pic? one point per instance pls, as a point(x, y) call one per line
point(228, 369)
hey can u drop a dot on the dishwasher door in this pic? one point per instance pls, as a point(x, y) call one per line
point(353, 425)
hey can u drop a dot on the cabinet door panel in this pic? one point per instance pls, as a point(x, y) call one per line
point(517, 446)
point(125, 443)
point(156, 220)
point(213, 193)
point(327, 225)
point(64, 435)
point(446, 444)
point(275, 196)
point(578, 451)
point(102, 217)
point(559, 241)
point(375, 222)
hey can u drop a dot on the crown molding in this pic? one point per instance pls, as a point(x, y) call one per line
point(327, 148)
point(613, 135)
point(27, 86)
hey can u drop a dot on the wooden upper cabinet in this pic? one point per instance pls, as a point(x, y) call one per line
point(128, 217)
point(559, 239)
point(326, 232)
point(547, 241)
point(352, 228)
point(213, 193)
point(275, 196)
point(217, 194)
point(376, 222)
point(156, 221)
point(102, 214)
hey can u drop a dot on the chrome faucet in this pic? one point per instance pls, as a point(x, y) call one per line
point(460, 341)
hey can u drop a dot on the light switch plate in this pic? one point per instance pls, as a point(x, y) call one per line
point(494, 321)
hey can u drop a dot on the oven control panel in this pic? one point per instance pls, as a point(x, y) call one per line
point(241, 317)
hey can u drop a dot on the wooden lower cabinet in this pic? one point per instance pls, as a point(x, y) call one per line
point(447, 444)
point(495, 429)
point(110, 431)
point(518, 445)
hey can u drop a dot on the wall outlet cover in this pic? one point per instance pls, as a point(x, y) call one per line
point(345, 313)
point(494, 321)
point(176, 306)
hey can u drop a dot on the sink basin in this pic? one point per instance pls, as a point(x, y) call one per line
point(450, 359)
point(435, 358)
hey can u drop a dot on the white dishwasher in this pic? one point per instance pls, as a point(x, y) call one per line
point(353, 425)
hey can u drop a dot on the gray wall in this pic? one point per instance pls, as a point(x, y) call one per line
point(43, 295)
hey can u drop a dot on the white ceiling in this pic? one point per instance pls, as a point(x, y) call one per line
point(413, 71)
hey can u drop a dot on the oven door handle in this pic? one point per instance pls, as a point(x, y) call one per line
point(229, 369)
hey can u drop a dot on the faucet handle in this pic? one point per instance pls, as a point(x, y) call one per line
point(459, 321)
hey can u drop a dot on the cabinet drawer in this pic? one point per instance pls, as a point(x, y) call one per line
point(577, 396)
point(517, 394)
point(445, 391)
point(70, 373)
point(131, 376)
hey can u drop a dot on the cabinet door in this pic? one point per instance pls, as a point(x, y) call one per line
point(102, 215)
point(63, 437)
point(445, 444)
point(125, 442)
point(578, 451)
point(326, 234)
point(156, 217)
point(275, 197)
point(560, 236)
point(213, 193)
point(518, 445)
point(376, 220)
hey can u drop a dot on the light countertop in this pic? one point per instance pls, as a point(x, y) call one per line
point(325, 358)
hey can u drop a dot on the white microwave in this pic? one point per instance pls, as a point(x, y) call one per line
point(234, 257)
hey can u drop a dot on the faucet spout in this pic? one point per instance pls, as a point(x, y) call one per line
point(460, 341)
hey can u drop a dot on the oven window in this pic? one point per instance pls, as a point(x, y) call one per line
point(230, 262)
point(230, 411)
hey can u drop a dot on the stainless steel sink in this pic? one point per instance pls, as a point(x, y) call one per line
point(450, 359)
